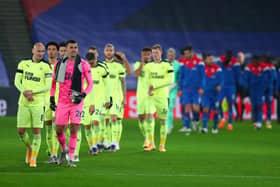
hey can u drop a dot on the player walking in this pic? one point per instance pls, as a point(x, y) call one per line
point(70, 72)
point(33, 79)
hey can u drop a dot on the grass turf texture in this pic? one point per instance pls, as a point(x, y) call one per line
point(243, 157)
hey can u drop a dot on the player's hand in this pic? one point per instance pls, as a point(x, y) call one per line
point(52, 103)
point(77, 99)
point(179, 93)
point(121, 54)
point(151, 88)
point(124, 102)
point(218, 88)
point(107, 105)
point(200, 91)
point(91, 109)
point(30, 98)
point(28, 95)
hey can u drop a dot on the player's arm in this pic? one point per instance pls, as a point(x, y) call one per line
point(274, 75)
point(123, 85)
point(181, 78)
point(138, 68)
point(201, 80)
point(48, 81)
point(125, 62)
point(220, 80)
point(53, 86)
point(107, 86)
point(18, 78)
point(87, 75)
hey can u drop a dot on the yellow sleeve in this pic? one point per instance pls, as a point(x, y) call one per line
point(48, 81)
point(122, 72)
point(18, 77)
point(136, 65)
point(107, 85)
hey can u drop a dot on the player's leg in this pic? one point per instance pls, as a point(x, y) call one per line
point(49, 131)
point(115, 129)
point(62, 114)
point(214, 105)
point(162, 109)
point(51, 139)
point(268, 101)
point(259, 99)
point(95, 135)
point(187, 118)
point(150, 124)
point(36, 143)
point(186, 101)
point(55, 141)
point(75, 115)
point(141, 115)
point(120, 126)
point(183, 129)
point(171, 105)
point(205, 118)
point(86, 122)
point(231, 100)
point(23, 122)
point(196, 101)
point(78, 146)
point(37, 115)
point(89, 136)
point(101, 132)
point(141, 124)
point(108, 134)
point(221, 111)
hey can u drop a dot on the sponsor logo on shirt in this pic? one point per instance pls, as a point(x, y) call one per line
point(96, 81)
point(113, 76)
point(30, 76)
point(156, 76)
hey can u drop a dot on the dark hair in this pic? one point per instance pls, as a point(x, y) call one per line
point(90, 56)
point(228, 53)
point(71, 42)
point(186, 48)
point(147, 49)
point(205, 55)
point(62, 44)
point(52, 43)
point(255, 57)
point(92, 48)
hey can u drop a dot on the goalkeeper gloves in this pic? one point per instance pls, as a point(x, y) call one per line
point(52, 103)
point(78, 97)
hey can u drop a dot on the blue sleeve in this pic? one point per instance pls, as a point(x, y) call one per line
point(201, 76)
point(181, 78)
point(278, 80)
point(220, 64)
point(275, 81)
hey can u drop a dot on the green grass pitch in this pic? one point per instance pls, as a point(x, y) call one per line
point(244, 157)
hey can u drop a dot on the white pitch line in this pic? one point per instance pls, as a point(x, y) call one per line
point(161, 175)
point(195, 175)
